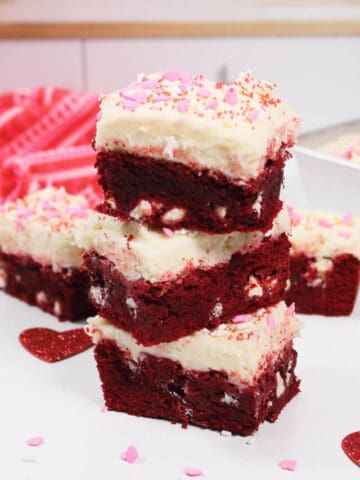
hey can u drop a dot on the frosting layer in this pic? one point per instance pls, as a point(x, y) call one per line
point(231, 128)
point(139, 252)
point(324, 235)
point(240, 349)
point(42, 226)
point(346, 147)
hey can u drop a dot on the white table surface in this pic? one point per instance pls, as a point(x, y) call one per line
point(62, 402)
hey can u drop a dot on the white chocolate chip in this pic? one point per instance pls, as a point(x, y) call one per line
point(57, 308)
point(41, 298)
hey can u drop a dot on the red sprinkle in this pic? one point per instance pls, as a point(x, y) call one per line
point(51, 346)
point(351, 446)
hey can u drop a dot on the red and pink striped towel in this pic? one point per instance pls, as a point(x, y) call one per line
point(45, 138)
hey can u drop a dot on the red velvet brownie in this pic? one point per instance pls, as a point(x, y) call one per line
point(39, 260)
point(160, 287)
point(231, 378)
point(325, 262)
point(183, 152)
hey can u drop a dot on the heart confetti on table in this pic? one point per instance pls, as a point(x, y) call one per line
point(52, 346)
point(351, 446)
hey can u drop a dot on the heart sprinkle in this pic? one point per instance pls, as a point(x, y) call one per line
point(289, 465)
point(193, 472)
point(35, 441)
point(130, 455)
point(351, 446)
point(52, 346)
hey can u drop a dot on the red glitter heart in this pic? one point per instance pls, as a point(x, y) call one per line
point(351, 446)
point(52, 346)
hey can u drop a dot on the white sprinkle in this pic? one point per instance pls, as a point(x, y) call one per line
point(226, 433)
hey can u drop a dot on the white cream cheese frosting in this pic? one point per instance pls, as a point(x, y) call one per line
point(226, 127)
point(42, 225)
point(346, 147)
point(239, 349)
point(324, 235)
point(154, 256)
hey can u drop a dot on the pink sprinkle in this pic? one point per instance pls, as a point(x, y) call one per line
point(347, 219)
point(290, 209)
point(46, 205)
point(240, 319)
point(324, 223)
point(161, 98)
point(49, 215)
point(289, 465)
point(193, 472)
point(19, 225)
point(212, 105)
point(348, 153)
point(291, 309)
point(183, 106)
point(148, 84)
point(137, 96)
point(102, 410)
point(79, 211)
point(25, 212)
point(344, 234)
point(130, 455)
point(186, 79)
point(230, 96)
point(171, 76)
point(295, 218)
point(270, 322)
point(204, 92)
point(168, 232)
point(131, 104)
point(253, 115)
point(35, 441)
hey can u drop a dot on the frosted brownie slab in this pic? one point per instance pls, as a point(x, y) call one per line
point(162, 285)
point(231, 378)
point(38, 255)
point(181, 151)
point(325, 262)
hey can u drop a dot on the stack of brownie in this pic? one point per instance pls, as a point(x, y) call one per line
point(188, 256)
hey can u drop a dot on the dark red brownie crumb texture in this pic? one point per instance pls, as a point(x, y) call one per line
point(127, 179)
point(68, 289)
point(161, 388)
point(166, 311)
point(333, 295)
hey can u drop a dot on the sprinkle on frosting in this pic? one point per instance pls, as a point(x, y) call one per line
point(289, 465)
point(130, 455)
point(231, 127)
point(240, 319)
point(35, 441)
point(42, 226)
point(346, 147)
point(270, 322)
point(324, 235)
point(291, 309)
point(168, 232)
